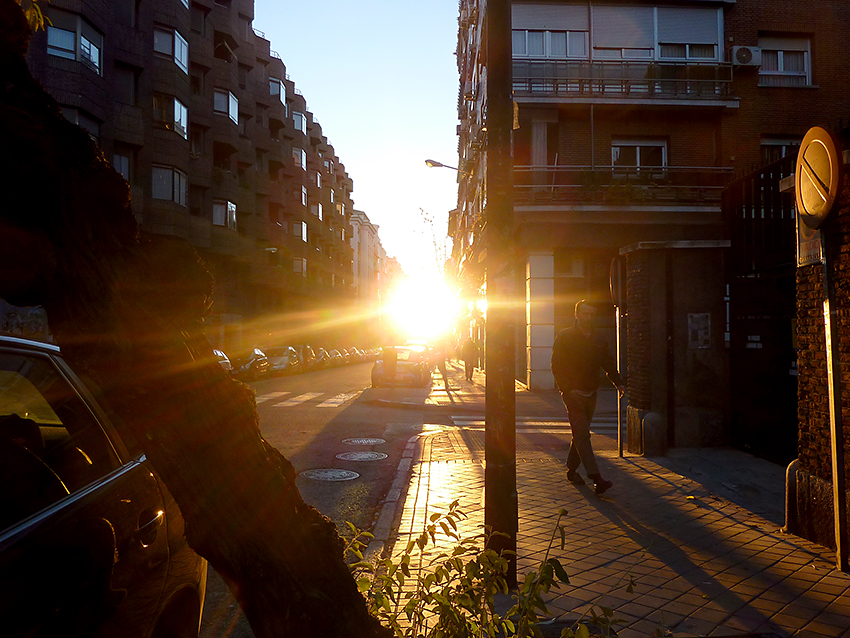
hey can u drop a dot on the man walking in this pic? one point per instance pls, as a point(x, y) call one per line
point(469, 354)
point(577, 356)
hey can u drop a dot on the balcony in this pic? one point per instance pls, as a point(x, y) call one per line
point(622, 80)
point(619, 185)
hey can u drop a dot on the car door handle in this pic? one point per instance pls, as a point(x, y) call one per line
point(149, 524)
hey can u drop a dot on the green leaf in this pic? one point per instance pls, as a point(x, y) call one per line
point(583, 632)
point(560, 572)
point(563, 531)
point(434, 517)
point(363, 584)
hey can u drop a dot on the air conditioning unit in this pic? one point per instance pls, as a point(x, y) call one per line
point(746, 56)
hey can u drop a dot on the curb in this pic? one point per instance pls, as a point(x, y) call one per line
point(395, 500)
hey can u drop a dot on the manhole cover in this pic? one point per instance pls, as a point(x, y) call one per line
point(361, 456)
point(364, 441)
point(330, 474)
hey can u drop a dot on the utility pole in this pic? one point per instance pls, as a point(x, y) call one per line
point(501, 509)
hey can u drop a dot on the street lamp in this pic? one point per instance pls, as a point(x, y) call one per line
point(435, 164)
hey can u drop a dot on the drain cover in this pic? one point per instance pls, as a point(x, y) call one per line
point(364, 441)
point(361, 456)
point(330, 474)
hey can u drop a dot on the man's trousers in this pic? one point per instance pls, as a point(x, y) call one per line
point(580, 408)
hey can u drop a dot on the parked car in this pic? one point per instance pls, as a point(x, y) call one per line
point(306, 356)
point(283, 360)
point(335, 358)
point(322, 359)
point(411, 363)
point(223, 361)
point(252, 366)
point(91, 542)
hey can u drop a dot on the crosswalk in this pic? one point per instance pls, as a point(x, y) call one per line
point(288, 400)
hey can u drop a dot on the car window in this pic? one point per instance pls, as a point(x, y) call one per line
point(51, 445)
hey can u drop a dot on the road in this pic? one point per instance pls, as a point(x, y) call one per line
point(311, 418)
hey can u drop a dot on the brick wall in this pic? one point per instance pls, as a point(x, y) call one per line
point(639, 355)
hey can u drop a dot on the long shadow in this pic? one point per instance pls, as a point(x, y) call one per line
point(641, 513)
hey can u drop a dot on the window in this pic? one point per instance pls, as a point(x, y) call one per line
point(170, 43)
point(170, 184)
point(300, 122)
point(276, 89)
point(224, 213)
point(299, 266)
point(303, 195)
point(329, 167)
point(83, 120)
point(317, 211)
point(331, 195)
point(318, 179)
point(71, 37)
point(171, 113)
point(785, 61)
point(49, 435)
point(125, 85)
point(688, 51)
point(299, 229)
point(225, 103)
point(299, 156)
point(196, 79)
point(199, 17)
point(196, 141)
point(549, 44)
point(774, 148)
point(121, 163)
point(61, 43)
point(638, 153)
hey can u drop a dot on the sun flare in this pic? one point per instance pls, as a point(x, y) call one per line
point(423, 307)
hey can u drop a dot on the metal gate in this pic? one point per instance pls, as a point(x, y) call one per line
point(762, 313)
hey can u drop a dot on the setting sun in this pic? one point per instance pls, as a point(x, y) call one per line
point(423, 307)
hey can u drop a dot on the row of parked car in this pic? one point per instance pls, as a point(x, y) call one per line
point(290, 360)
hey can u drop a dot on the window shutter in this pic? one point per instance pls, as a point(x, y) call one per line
point(558, 17)
point(688, 25)
point(623, 27)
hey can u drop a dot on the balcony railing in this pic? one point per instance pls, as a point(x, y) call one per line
point(619, 184)
point(622, 79)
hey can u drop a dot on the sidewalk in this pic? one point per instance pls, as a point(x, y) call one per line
point(698, 530)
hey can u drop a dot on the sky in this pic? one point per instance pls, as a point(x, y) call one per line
point(381, 78)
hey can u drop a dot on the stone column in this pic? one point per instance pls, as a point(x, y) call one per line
point(540, 319)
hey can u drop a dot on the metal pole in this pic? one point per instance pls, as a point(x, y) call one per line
point(833, 373)
point(619, 398)
point(501, 509)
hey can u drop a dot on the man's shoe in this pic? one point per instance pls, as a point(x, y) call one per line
point(602, 485)
point(575, 478)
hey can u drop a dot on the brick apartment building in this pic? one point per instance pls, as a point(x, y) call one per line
point(630, 118)
point(192, 106)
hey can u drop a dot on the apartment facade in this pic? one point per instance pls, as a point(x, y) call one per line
point(195, 110)
point(630, 118)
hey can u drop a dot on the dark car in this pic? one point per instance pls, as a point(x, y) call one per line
point(283, 360)
point(251, 366)
point(91, 542)
point(335, 358)
point(402, 365)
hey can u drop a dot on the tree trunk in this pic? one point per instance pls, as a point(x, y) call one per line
point(128, 312)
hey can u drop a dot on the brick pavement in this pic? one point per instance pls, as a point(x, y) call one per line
point(703, 565)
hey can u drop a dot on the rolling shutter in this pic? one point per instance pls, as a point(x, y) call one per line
point(623, 27)
point(550, 17)
point(689, 25)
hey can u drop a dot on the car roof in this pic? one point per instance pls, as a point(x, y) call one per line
point(29, 344)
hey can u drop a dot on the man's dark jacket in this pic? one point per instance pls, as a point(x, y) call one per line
point(576, 361)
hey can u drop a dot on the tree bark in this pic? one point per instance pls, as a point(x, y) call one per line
point(127, 311)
